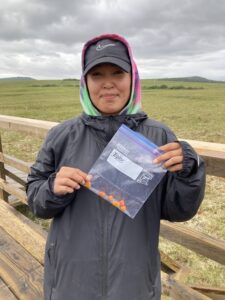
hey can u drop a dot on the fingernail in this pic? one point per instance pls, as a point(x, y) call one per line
point(155, 161)
point(88, 178)
point(77, 187)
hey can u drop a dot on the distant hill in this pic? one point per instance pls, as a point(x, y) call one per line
point(192, 79)
point(71, 79)
point(17, 78)
point(184, 79)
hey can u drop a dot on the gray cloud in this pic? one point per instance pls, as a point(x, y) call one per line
point(44, 38)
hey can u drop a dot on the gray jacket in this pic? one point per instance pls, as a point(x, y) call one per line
point(94, 251)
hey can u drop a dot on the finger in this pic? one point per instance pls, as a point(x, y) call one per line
point(170, 146)
point(76, 177)
point(173, 161)
point(81, 177)
point(176, 168)
point(82, 174)
point(63, 186)
point(62, 190)
point(65, 171)
point(67, 182)
point(167, 155)
point(68, 171)
point(74, 174)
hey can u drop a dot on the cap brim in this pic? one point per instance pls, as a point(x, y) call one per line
point(111, 60)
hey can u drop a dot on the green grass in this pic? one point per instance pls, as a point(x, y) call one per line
point(192, 114)
point(197, 113)
point(193, 110)
point(48, 100)
point(210, 220)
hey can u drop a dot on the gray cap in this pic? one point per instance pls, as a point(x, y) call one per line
point(107, 51)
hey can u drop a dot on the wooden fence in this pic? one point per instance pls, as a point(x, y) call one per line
point(22, 242)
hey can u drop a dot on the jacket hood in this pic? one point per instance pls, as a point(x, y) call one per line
point(134, 103)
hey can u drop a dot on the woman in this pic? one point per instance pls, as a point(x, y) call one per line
point(94, 251)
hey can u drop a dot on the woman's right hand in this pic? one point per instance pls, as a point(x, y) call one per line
point(69, 179)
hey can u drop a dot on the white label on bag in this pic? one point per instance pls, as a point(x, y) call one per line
point(124, 164)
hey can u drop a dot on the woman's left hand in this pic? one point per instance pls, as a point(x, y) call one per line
point(173, 157)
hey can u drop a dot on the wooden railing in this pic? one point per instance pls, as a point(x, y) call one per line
point(173, 280)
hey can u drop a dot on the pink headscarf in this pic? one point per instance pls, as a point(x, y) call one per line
point(134, 103)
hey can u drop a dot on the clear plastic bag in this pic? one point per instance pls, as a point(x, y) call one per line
point(124, 173)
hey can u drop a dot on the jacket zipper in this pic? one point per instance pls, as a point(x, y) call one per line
point(105, 236)
point(111, 128)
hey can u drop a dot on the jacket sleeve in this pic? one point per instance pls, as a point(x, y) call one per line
point(183, 191)
point(41, 199)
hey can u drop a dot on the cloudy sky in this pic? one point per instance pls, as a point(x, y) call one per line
point(170, 38)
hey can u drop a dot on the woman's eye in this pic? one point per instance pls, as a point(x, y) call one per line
point(96, 74)
point(119, 72)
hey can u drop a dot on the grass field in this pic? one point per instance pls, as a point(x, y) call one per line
point(197, 113)
point(193, 110)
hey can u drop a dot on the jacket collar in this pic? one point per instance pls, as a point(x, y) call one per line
point(106, 126)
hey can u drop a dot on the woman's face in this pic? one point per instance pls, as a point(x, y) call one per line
point(109, 88)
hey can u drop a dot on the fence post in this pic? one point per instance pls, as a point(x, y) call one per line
point(3, 194)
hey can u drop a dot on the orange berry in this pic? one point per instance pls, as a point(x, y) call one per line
point(101, 194)
point(110, 197)
point(123, 208)
point(122, 202)
point(87, 184)
point(116, 203)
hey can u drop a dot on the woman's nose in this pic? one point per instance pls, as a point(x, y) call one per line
point(108, 84)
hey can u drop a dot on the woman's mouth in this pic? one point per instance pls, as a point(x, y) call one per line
point(109, 96)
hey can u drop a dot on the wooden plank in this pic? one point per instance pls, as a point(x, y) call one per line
point(10, 189)
point(194, 240)
point(208, 149)
point(15, 177)
point(3, 194)
point(5, 293)
point(171, 264)
point(31, 126)
point(180, 291)
point(15, 163)
point(23, 219)
point(23, 230)
point(215, 166)
point(213, 154)
point(166, 288)
point(182, 274)
point(213, 293)
point(15, 202)
point(19, 270)
point(40, 128)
